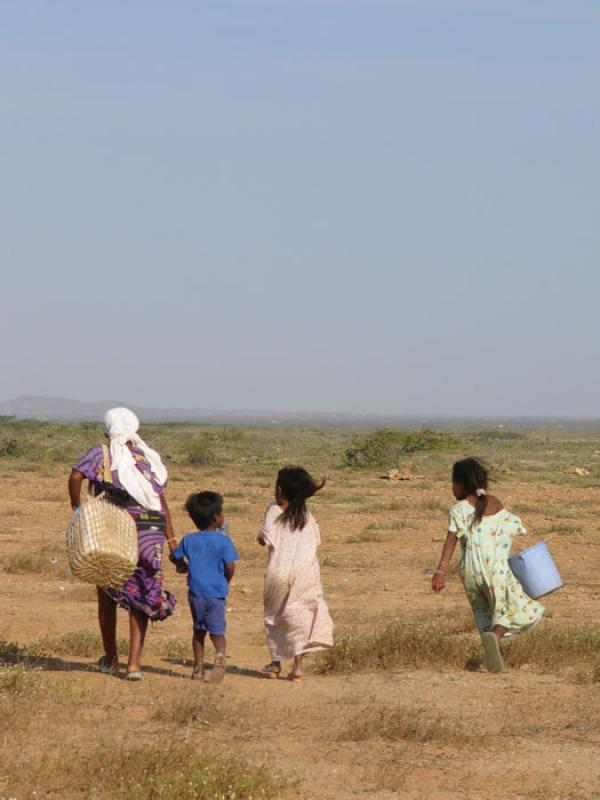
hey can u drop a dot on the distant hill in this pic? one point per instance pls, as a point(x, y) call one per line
point(60, 409)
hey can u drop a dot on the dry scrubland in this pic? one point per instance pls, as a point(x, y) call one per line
point(400, 708)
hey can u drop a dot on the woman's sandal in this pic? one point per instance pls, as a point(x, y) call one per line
point(135, 675)
point(107, 667)
point(491, 652)
point(271, 671)
point(217, 673)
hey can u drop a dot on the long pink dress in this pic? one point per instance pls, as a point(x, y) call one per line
point(297, 619)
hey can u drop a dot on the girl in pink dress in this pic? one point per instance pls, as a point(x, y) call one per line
point(297, 619)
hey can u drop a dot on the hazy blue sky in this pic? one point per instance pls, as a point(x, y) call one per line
point(352, 205)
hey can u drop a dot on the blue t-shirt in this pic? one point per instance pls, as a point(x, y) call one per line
point(207, 552)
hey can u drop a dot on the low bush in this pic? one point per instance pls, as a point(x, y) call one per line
point(498, 436)
point(201, 452)
point(384, 448)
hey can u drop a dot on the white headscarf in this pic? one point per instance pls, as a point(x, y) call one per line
point(121, 425)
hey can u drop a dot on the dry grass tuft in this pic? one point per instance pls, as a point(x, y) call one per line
point(73, 643)
point(173, 772)
point(397, 724)
point(175, 648)
point(43, 563)
point(553, 648)
point(17, 679)
point(369, 536)
point(195, 706)
point(398, 645)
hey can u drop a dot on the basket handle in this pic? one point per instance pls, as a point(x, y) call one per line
point(106, 473)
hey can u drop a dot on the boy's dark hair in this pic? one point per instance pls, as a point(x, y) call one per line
point(297, 486)
point(471, 475)
point(203, 507)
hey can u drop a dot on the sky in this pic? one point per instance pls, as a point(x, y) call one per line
point(322, 205)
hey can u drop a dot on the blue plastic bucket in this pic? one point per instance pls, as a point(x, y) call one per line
point(536, 571)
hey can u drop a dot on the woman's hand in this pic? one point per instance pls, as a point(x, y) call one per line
point(438, 582)
point(180, 564)
point(260, 540)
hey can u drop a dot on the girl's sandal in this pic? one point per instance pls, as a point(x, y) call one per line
point(107, 667)
point(271, 671)
point(491, 652)
point(133, 676)
point(295, 677)
point(198, 673)
point(217, 673)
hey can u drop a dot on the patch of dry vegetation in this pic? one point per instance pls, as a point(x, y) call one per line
point(429, 646)
point(404, 724)
point(408, 645)
point(173, 772)
point(44, 562)
point(194, 706)
point(84, 644)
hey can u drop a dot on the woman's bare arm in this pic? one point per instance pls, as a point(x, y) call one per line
point(171, 540)
point(76, 480)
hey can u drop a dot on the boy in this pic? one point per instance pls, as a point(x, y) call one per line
point(211, 558)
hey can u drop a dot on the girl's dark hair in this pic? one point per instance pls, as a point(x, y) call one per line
point(203, 507)
point(470, 474)
point(296, 485)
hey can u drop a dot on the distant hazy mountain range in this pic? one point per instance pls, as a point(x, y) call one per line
point(60, 409)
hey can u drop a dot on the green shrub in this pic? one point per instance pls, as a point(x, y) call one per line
point(201, 452)
point(498, 436)
point(384, 448)
point(10, 447)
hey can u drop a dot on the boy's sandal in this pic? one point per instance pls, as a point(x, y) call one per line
point(491, 652)
point(271, 670)
point(217, 673)
point(133, 676)
point(107, 667)
point(198, 673)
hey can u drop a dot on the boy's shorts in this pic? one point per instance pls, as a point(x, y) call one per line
point(208, 614)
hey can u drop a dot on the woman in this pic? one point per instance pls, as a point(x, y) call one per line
point(138, 483)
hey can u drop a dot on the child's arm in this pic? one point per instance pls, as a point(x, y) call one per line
point(265, 534)
point(439, 576)
point(229, 569)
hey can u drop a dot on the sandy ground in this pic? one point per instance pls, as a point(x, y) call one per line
point(540, 729)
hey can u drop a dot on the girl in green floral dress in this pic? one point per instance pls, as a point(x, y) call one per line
point(485, 530)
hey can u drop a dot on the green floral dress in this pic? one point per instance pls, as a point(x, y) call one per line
point(495, 595)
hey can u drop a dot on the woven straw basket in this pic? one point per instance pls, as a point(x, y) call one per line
point(102, 544)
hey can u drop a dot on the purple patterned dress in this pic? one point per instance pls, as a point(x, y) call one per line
point(144, 591)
